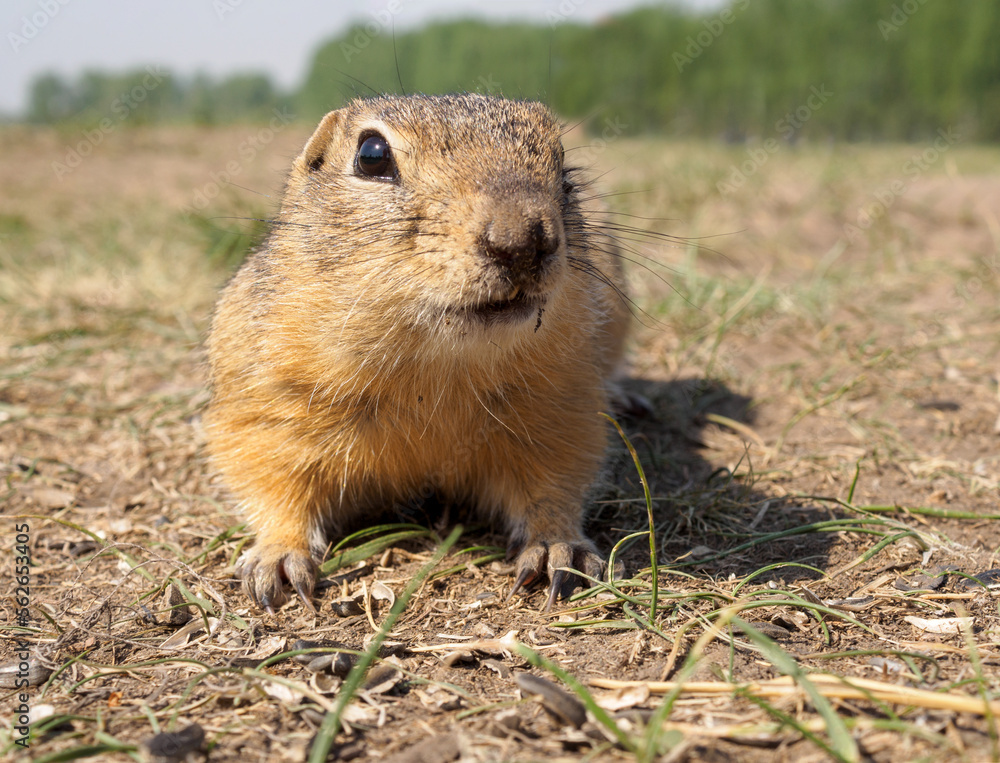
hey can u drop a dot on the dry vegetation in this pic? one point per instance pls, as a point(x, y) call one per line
point(826, 431)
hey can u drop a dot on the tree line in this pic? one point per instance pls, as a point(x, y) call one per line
point(154, 95)
point(787, 69)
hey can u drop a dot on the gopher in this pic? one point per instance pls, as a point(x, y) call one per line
point(434, 312)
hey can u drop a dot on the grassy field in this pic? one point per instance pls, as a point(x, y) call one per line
point(819, 338)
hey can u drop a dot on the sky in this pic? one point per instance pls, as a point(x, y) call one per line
point(221, 37)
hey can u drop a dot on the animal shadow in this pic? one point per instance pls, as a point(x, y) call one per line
point(702, 510)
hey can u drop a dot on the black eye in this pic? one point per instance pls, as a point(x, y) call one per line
point(374, 159)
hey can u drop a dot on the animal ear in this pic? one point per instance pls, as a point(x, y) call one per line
point(313, 156)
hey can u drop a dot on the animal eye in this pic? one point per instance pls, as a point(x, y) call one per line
point(374, 159)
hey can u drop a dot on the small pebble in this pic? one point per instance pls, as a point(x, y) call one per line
point(172, 746)
point(558, 702)
point(13, 672)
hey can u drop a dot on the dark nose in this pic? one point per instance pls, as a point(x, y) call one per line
point(520, 237)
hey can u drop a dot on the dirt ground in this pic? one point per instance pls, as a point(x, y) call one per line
point(819, 343)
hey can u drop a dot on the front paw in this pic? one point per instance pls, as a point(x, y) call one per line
point(265, 568)
point(541, 557)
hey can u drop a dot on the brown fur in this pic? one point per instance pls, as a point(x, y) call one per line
point(351, 372)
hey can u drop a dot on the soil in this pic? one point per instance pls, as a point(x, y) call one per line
point(806, 370)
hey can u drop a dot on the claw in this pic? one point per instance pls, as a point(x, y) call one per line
point(559, 579)
point(557, 560)
point(560, 557)
point(272, 596)
point(265, 569)
point(522, 578)
point(530, 564)
point(305, 593)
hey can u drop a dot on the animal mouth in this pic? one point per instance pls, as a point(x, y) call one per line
point(517, 306)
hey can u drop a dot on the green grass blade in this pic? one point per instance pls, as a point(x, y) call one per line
point(351, 556)
point(649, 512)
point(843, 746)
point(331, 722)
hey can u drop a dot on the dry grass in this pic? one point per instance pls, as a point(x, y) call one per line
point(827, 422)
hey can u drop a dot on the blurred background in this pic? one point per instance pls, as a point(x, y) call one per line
point(890, 69)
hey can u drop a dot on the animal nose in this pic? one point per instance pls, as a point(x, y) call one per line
point(520, 240)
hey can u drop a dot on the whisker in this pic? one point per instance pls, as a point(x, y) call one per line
point(589, 268)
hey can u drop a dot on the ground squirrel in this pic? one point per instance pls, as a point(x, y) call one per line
point(433, 312)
